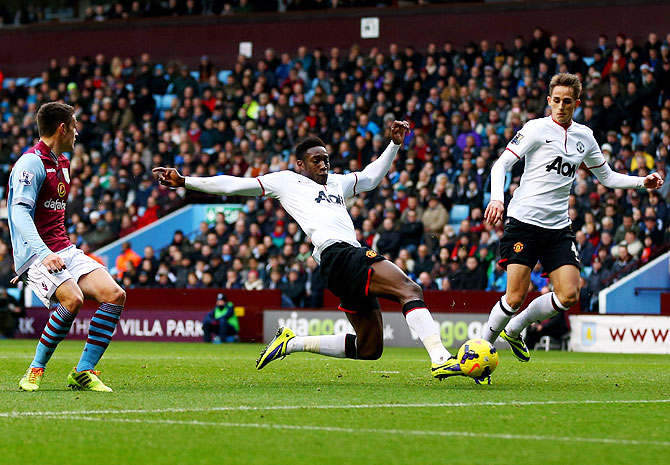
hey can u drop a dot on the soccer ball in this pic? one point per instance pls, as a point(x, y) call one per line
point(478, 358)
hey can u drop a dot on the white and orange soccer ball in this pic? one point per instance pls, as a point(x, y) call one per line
point(478, 358)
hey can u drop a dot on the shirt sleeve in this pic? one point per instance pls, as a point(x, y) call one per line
point(525, 141)
point(349, 183)
point(594, 158)
point(224, 185)
point(596, 163)
point(274, 184)
point(26, 180)
point(372, 174)
point(23, 222)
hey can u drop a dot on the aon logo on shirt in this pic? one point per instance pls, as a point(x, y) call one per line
point(329, 198)
point(562, 167)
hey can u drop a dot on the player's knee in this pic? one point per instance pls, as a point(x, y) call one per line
point(73, 302)
point(514, 300)
point(411, 290)
point(117, 296)
point(568, 299)
point(114, 295)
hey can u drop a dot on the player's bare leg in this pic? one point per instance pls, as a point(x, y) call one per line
point(369, 330)
point(565, 281)
point(392, 283)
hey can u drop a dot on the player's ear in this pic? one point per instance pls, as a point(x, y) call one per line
point(577, 103)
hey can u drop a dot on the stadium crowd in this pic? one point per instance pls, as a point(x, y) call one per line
point(134, 9)
point(464, 105)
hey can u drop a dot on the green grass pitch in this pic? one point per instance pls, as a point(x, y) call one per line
point(197, 403)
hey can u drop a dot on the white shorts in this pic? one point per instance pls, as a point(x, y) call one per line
point(43, 283)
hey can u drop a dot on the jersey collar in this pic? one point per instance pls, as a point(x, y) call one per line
point(44, 149)
point(560, 125)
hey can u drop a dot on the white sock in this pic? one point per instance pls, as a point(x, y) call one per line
point(421, 322)
point(331, 346)
point(500, 315)
point(539, 309)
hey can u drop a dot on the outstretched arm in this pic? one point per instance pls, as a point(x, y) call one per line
point(615, 180)
point(373, 174)
point(219, 185)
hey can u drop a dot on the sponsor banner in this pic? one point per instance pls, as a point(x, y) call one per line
point(454, 328)
point(620, 334)
point(135, 325)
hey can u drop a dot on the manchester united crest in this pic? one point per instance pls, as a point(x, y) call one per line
point(518, 247)
point(370, 253)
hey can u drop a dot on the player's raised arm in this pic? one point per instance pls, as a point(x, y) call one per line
point(219, 185)
point(373, 174)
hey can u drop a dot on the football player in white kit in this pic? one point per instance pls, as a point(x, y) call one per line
point(539, 228)
point(357, 275)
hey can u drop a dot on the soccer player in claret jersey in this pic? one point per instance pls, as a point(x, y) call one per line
point(49, 264)
point(539, 228)
point(355, 274)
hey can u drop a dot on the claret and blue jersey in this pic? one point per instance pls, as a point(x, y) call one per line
point(40, 181)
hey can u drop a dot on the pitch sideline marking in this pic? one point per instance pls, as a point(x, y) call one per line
point(336, 429)
point(329, 407)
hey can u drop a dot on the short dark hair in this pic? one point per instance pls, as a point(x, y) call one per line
point(305, 145)
point(51, 115)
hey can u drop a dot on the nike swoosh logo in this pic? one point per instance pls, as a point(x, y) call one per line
point(548, 141)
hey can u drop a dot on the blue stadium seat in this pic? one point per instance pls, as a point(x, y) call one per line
point(487, 198)
point(223, 75)
point(459, 213)
point(157, 99)
point(196, 75)
point(35, 81)
point(22, 81)
point(166, 101)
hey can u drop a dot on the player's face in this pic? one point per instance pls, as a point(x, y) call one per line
point(563, 103)
point(68, 133)
point(315, 165)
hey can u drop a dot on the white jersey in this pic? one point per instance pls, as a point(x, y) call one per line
point(319, 209)
point(552, 155)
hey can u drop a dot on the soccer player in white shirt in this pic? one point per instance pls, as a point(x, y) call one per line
point(539, 228)
point(357, 275)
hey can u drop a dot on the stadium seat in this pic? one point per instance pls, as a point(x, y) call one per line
point(166, 101)
point(35, 81)
point(487, 198)
point(223, 75)
point(22, 81)
point(458, 213)
point(196, 75)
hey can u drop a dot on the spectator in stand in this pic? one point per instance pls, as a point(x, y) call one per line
point(221, 321)
point(126, 257)
point(112, 143)
point(471, 276)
